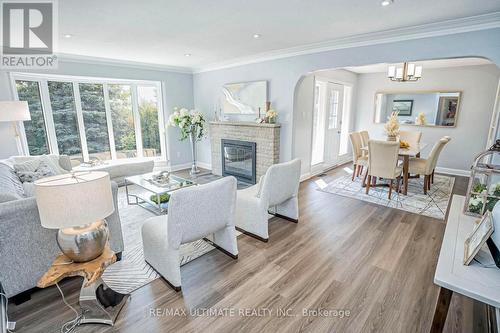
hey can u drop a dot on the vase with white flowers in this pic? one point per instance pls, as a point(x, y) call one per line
point(391, 127)
point(192, 126)
point(271, 116)
point(420, 119)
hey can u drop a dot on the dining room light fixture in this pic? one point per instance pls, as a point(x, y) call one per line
point(407, 72)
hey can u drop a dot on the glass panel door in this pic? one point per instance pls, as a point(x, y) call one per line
point(148, 112)
point(94, 119)
point(122, 116)
point(318, 139)
point(35, 129)
point(62, 101)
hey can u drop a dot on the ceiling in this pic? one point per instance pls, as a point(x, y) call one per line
point(427, 64)
point(162, 31)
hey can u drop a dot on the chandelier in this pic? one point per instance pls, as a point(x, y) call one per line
point(408, 72)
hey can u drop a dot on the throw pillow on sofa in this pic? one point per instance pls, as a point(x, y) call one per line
point(38, 167)
point(11, 187)
point(43, 170)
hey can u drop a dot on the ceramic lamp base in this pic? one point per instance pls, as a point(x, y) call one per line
point(85, 243)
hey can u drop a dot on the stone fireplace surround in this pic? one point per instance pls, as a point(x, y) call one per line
point(266, 136)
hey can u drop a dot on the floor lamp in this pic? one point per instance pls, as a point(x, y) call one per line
point(14, 111)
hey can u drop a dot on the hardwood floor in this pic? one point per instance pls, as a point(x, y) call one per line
point(370, 267)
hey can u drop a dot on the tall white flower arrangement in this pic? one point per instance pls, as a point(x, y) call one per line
point(391, 127)
point(189, 121)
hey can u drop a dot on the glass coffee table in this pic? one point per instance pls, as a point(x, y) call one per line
point(143, 191)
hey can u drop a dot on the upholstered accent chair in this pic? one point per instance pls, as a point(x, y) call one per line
point(383, 163)
point(276, 194)
point(426, 166)
point(359, 159)
point(364, 138)
point(193, 213)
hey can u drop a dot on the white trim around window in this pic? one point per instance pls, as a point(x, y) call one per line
point(43, 79)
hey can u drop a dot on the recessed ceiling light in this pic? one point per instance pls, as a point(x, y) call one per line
point(256, 36)
point(385, 3)
point(187, 54)
point(68, 35)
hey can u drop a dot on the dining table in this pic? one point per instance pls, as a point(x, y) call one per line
point(410, 151)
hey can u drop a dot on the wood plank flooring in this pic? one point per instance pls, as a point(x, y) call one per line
point(370, 269)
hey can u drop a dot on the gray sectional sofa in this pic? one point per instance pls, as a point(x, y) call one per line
point(26, 248)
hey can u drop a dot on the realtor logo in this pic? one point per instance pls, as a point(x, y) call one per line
point(28, 34)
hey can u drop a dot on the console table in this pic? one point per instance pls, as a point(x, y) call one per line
point(474, 281)
point(99, 303)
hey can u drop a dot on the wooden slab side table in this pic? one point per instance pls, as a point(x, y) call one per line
point(98, 302)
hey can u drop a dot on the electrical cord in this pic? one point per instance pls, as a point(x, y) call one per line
point(6, 314)
point(71, 325)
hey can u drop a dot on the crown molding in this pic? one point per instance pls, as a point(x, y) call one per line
point(443, 28)
point(66, 57)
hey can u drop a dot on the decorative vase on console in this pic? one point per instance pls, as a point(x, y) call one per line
point(192, 125)
point(271, 114)
point(391, 127)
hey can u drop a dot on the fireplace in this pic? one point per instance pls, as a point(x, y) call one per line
point(238, 160)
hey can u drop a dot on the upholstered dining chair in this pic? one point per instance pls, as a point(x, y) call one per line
point(193, 213)
point(276, 194)
point(359, 159)
point(426, 166)
point(364, 138)
point(412, 137)
point(383, 163)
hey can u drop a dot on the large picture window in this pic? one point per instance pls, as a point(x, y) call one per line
point(89, 119)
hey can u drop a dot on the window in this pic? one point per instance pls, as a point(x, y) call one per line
point(36, 133)
point(334, 109)
point(122, 117)
point(92, 119)
point(148, 110)
point(62, 101)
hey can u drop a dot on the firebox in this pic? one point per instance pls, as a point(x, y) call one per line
point(238, 160)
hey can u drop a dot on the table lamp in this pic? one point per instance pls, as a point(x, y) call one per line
point(12, 111)
point(76, 204)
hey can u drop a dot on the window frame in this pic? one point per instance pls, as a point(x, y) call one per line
point(43, 80)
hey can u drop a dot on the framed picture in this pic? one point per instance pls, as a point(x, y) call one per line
point(480, 234)
point(244, 98)
point(403, 106)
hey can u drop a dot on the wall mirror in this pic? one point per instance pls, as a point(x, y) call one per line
point(426, 108)
point(244, 98)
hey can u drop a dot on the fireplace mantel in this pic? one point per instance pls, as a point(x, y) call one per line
point(266, 137)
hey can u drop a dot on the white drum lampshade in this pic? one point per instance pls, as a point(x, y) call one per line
point(74, 199)
point(14, 111)
point(77, 204)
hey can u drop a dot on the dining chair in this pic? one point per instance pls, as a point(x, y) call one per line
point(193, 213)
point(383, 163)
point(412, 137)
point(426, 166)
point(359, 159)
point(276, 194)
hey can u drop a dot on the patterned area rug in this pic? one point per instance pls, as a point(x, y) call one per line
point(132, 272)
point(433, 204)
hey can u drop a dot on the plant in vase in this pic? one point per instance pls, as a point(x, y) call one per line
point(271, 116)
point(192, 126)
point(476, 205)
point(391, 127)
point(493, 196)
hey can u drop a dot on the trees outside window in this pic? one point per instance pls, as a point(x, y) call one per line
point(62, 101)
point(94, 118)
point(120, 103)
point(148, 110)
point(36, 133)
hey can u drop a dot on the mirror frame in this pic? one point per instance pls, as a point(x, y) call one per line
point(392, 92)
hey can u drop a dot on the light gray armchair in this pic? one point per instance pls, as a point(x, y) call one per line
point(193, 213)
point(276, 193)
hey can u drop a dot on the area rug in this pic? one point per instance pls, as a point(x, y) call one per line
point(433, 204)
point(132, 272)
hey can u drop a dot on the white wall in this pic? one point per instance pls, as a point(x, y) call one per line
point(303, 111)
point(284, 74)
point(478, 85)
point(178, 91)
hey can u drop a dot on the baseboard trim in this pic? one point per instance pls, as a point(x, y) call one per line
point(454, 172)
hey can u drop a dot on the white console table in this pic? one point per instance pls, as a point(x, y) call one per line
point(474, 281)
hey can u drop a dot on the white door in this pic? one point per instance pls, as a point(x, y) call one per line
point(327, 121)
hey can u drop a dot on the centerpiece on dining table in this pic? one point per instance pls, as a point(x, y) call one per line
point(391, 127)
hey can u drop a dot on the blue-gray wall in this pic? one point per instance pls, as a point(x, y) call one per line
point(283, 74)
point(178, 91)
